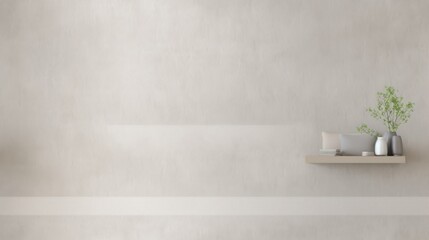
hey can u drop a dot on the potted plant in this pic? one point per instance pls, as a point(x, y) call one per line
point(364, 129)
point(393, 111)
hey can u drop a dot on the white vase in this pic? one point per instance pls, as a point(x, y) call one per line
point(381, 147)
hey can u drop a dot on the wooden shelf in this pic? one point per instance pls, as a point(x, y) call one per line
point(354, 159)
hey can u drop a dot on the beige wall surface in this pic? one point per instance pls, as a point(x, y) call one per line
point(204, 98)
point(196, 228)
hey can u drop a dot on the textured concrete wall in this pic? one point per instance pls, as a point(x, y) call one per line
point(196, 228)
point(203, 98)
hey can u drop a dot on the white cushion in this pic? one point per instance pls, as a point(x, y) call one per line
point(330, 140)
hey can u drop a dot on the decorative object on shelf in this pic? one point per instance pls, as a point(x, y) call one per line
point(393, 111)
point(330, 152)
point(397, 146)
point(388, 137)
point(355, 144)
point(330, 140)
point(367, 154)
point(381, 147)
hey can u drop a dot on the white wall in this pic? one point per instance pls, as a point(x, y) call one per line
point(204, 98)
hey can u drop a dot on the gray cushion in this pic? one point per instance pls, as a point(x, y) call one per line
point(355, 144)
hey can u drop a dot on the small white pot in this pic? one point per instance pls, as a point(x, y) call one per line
point(381, 147)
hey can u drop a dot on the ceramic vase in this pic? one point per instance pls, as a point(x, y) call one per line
point(381, 147)
point(397, 146)
point(388, 137)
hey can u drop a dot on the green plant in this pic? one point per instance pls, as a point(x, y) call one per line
point(364, 129)
point(391, 109)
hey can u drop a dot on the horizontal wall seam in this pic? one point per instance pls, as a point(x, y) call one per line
point(214, 206)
